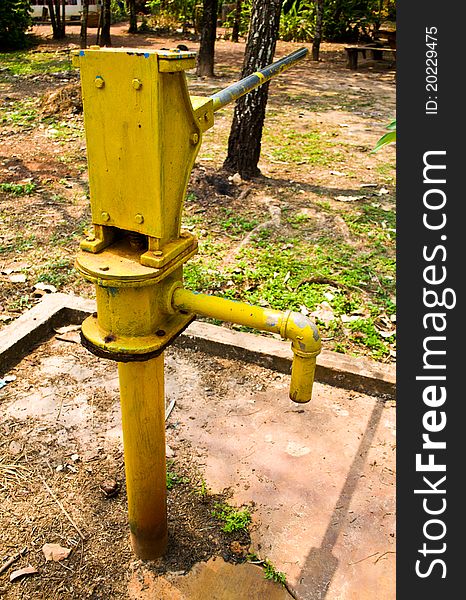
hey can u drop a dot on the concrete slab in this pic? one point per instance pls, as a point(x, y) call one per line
point(213, 580)
point(322, 476)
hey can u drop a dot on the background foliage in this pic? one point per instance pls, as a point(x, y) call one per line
point(15, 19)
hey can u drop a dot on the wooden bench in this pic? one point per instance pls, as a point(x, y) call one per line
point(376, 53)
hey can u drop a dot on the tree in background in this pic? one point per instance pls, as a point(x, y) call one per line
point(105, 39)
point(57, 18)
point(319, 6)
point(15, 20)
point(83, 32)
point(205, 57)
point(236, 22)
point(133, 18)
point(244, 143)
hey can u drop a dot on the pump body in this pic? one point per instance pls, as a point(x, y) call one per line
point(143, 132)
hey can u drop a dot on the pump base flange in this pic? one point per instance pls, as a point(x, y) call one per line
point(118, 353)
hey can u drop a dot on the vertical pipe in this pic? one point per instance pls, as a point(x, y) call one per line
point(143, 420)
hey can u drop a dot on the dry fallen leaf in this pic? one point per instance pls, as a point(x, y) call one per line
point(349, 198)
point(29, 570)
point(55, 552)
point(19, 278)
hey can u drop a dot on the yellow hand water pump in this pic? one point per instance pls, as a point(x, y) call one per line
point(143, 132)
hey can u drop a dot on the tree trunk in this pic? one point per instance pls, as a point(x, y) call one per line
point(236, 22)
point(205, 57)
point(133, 18)
point(318, 30)
point(244, 143)
point(105, 39)
point(63, 16)
point(58, 24)
point(84, 16)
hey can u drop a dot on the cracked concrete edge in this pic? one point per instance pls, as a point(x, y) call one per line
point(56, 310)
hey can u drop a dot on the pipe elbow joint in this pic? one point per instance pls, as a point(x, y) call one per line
point(306, 345)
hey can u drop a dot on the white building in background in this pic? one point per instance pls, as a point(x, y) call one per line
point(73, 8)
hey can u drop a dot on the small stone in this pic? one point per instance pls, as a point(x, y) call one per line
point(236, 179)
point(15, 448)
point(110, 488)
point(169, 452)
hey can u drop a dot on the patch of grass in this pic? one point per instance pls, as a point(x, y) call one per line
point(237, 224)
point(374, 223)
point(387, 171)
point(366, 334)
point(57, 272)
point(174, 478)
point(298, 219)
point(19, 112)
point(300, 148)
point(233, 519)
point(20, 243)
point(18, 189)
point(32, 63)
point(22, 303)
point(64, 130)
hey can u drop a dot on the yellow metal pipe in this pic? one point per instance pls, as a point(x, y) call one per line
point(143, 420)
point(294, 326)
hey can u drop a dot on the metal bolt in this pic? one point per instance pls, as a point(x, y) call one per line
point(105, 216)
point(139, 218)
point(99, 82)
point(194, 138)
point(137, 84)
point(158, 253)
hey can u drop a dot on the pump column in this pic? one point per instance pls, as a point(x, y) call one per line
point(143, 421)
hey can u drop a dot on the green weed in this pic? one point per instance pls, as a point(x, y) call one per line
point(233, 519)
point(19, 244)
point(270, 572)
point(22, 303)
point(18, 189)
point(236, 224)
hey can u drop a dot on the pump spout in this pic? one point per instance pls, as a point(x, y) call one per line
point(290, 325)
